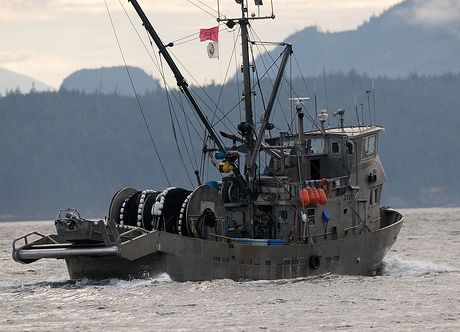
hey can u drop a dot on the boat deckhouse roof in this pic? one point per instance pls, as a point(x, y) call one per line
point(348, 131)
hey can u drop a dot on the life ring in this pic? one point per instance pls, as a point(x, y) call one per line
point(325, 185)
point(314, 262)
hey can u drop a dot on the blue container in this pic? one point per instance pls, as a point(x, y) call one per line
point(213, 184)
point(220, 155)
point(276, 242)
point(252, 242)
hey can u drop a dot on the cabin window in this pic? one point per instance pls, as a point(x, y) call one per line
point(374, 195)
point(350, 147)
point(283, 214)
point(377, 192)
point(335, 147)
point(314, 146)
point(369, 146)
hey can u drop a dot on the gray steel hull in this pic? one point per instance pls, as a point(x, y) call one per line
point(185, 258)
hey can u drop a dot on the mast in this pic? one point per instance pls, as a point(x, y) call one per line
point(247, 127)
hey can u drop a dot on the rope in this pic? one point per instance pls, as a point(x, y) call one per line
point(202, 9)
point(174, 130)
point(135, 94)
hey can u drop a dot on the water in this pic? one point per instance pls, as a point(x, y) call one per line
point(417, 289)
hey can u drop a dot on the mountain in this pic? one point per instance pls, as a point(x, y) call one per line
point(72, 149)
point(108, 80)
point(11, 81)
point(414, 37)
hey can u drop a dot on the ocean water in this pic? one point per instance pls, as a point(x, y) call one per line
point(417, 289)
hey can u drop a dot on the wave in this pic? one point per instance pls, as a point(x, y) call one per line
point(87, 283)
point(398, 267)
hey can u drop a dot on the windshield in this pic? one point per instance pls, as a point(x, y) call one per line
point(314, 146)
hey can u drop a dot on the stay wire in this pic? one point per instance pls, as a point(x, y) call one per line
point(223, 82)
point(290, 86)
point(202, 9)
point(174, 131)
point(205, 93)
point(188, 130)
point(155, 61)
point(264, 107)
point(135, 94)
point(267, 70)
point(304, 81)
point(239, 102)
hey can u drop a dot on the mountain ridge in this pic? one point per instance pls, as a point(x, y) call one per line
point(393, 44)
point(108, 80)
point(10, 81)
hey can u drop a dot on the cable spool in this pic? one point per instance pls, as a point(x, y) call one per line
point(144, 211)
point(205, 213)
point(117, 201)
point(129, 209)
point(182, 228)
point(167, 207)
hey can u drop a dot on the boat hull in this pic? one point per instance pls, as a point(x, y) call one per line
point(185, 258)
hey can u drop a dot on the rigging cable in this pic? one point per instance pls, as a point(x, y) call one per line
point(267, 70)
point(137, 97)
point(205, 93)
point(155, 61)
point(304, 80)
point(174, 131)
point(290, 86)
point(202, 9)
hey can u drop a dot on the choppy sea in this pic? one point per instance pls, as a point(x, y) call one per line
point(418, 289)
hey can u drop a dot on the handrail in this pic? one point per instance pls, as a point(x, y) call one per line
point(119, 242)
point(26, 242)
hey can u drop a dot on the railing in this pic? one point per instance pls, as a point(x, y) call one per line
point(26, 241)
point(125, 234)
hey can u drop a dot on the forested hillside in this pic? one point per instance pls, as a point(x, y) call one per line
point(70, 149)
point(421, 37)
point(110, 80)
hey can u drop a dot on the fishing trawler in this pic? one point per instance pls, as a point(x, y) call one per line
point(315, 207)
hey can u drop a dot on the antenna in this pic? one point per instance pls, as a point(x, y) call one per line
point(369, 106)
point(252, 16)
point(373, 99)
point(356, 108)
point(325, 89)
point(316, 100)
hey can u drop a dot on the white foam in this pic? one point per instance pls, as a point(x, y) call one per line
point(398, 267)
point(134, 283)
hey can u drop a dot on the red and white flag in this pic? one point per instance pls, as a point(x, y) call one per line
point(209, 34)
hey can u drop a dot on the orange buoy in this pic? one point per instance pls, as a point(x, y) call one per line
point(322, 196)
point(311, 195)
point(304, 197)
point(315, 192)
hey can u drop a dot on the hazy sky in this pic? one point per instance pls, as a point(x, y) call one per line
point(49, 39)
